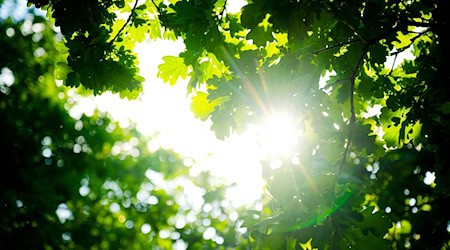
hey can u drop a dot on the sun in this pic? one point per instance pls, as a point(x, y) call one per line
point(278, 135)
point(275, 136)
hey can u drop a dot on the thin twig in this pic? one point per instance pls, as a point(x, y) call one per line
point(335, 12)
point(352, 109)
point(126, 23)
point(335, 46)
point(393, 64)
point(223, 9)
point(156, 6)
point(355, 31)
point(335, 82)
point(344, 155)
point(352, 84)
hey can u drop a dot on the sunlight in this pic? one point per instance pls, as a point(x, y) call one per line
point(277, 135)
point(235, 6)
point(238, 158)
point(163, 112)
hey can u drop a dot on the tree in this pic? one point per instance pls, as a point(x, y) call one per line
point(87, 183)
point(359, 179)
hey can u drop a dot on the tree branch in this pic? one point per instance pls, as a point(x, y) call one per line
point(352, 109)
point(126, 23)
point(223, 10)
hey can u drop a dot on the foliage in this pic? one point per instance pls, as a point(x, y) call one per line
point(86, 183)
point(359, 179)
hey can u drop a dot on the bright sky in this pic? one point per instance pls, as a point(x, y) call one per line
point(164, 111)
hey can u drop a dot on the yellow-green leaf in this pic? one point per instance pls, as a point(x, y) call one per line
point(137, 33)
point(403, 40)
point(210, 67)
point(307, 245)
point(172, 69)
point(116, 27)
point(202, 107)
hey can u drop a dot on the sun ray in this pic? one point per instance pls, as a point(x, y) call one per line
point(309, 179)
point(247, 83)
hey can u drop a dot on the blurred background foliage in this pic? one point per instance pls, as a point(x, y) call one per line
point(87, 183)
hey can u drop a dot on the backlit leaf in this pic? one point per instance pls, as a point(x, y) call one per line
point(202, 107)
point(172, 68)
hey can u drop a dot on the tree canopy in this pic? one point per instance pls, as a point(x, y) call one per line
point(85, 182)
point(365, 82)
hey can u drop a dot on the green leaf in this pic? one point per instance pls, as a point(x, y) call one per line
point(73, 79)
point(260, 35)
point(210, 67)
point(251, 15)
point(365, 86)
point(413, 132)
point(378, 53)
point(116, 27)
point(235, 26)
point(202, 107)
point(155, 30)
point(403, 40)
point(378, 223)
point(306, 246)
point(391, 135)
point(172, 69)
point(137, 33)
point(364, 139)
